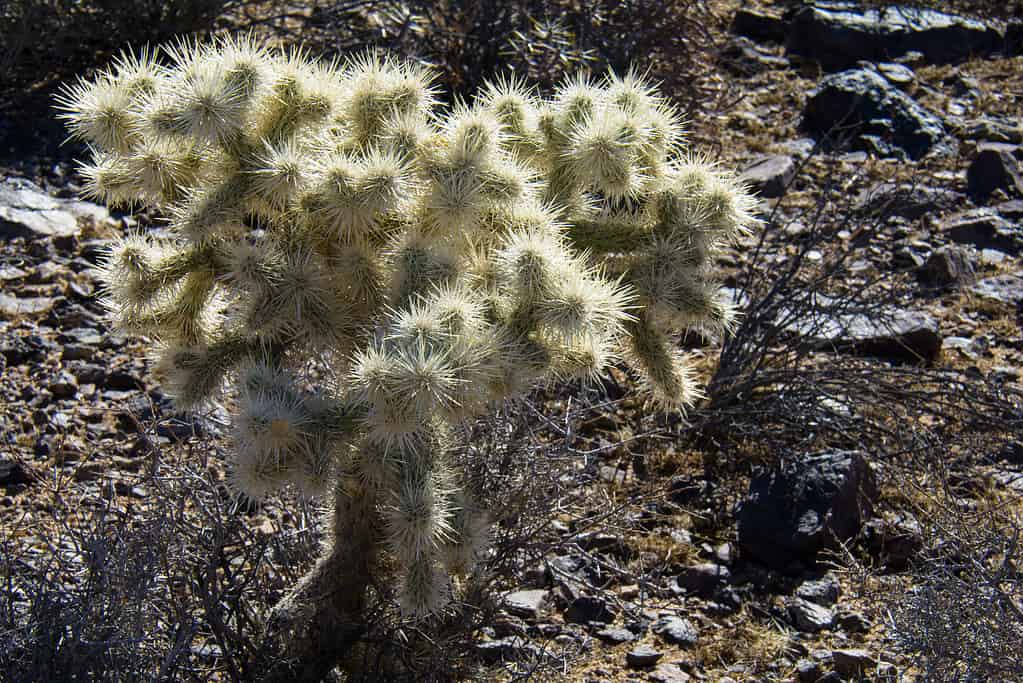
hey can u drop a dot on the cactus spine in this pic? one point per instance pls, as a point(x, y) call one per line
point(366, 269)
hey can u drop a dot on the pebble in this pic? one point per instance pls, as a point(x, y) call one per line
point(642, 657)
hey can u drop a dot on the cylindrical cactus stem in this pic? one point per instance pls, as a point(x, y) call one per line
point(324, 615)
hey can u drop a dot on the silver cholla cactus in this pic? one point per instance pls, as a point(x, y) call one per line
point(367, 270)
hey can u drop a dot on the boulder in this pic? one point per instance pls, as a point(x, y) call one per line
point(839, 37)
point(770, 176)
point(995, 167)
point(861, 102)
point(804, 505)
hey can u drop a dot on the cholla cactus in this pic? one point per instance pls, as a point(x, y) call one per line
point(368, 270)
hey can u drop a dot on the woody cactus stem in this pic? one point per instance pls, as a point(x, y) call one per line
point(366, 270)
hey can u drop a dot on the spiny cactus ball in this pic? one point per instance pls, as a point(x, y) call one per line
point(367, 269)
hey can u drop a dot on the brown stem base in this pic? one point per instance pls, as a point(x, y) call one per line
point(316, 626)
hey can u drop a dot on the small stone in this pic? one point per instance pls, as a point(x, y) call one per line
point(949, 266)
point(668, 673)
point(703, 579)
point(852, 663)
point(585, 609)
point(809, 617)
point(759, 25)
point(852, 622)
point(513, 648)
point(807, 671)
point(899, 75)
point(992, 257)
point(642, 657)
point(1006, 289)
point(770, 176)
point(615, 636)
point(14, 472)
point(824, 591)
point(64, 385)
point(13, 307)
point(676, 631)
point(526, 603)
point(994, 168)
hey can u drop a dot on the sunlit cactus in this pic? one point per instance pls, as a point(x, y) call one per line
point(354, 270)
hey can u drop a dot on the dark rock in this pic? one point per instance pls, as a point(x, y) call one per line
point(804, 505)
point(605, 543)
point(29, 349)
point(69, 352)
point(984, 229)
point(907, 201)
point(642, 657)
point(703, 579)
point(838, 38)
point(823, 591)
point(809, 617)
point(1006, 289)
point(759, 26)
point(526, 603)
point(683, 490)
point(88, 373)
point(513, 648)
point(994, 168)
point(861, 101)
point(585, 609)
point(27, 211)
point(1013, 209)
point(852, 622)
point(852, 663)
point(807, 671)
point(615, 636)
point(1014, 37)
point(743, 56)
point(949, 266)
point(894, 540)
point(13, 472)
point(770, 176)
point(993, 130)
point(1012, 452)
point(894, 334)
point(64, 385)
point(676, 631)
point(122, 380)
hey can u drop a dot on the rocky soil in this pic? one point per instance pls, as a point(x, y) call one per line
point(900, 139)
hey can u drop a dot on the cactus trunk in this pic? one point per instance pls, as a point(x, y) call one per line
point(320, 621)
